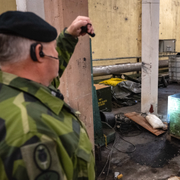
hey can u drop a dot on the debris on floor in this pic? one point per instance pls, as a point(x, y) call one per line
point(155, 122)
point(143, 122)
point(117, 175)
point(137, 153)
point(124, 92)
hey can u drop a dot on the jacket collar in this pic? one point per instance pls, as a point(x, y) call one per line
point(47, 95)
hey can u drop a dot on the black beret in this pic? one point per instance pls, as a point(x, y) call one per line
point(27, 25)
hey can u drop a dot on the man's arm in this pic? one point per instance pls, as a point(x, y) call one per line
point(67, 41)
point(65, 47)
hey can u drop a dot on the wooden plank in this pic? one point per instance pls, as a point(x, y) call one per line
point(143, 122)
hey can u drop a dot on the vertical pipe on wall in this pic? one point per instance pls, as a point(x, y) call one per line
point(21, 5)
point(150, 42)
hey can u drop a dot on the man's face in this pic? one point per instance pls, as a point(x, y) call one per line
point(51, 65)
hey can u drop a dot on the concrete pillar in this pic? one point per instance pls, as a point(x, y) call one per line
point(76, 80)
point(150, 55)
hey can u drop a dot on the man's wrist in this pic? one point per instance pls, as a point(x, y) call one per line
point(68, 33)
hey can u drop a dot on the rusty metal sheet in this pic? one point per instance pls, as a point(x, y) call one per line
point(143, 122)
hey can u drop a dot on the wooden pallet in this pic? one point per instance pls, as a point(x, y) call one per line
point(144, 123)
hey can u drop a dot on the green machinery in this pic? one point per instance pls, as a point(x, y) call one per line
point(103, 133)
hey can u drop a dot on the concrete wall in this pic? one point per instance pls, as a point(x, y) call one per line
point(169, 26)
point(118, 28)
point(7, 5)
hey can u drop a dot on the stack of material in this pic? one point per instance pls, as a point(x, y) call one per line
point(124, 92)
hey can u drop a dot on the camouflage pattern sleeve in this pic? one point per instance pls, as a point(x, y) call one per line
point(65, 48)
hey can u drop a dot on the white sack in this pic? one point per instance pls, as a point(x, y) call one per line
point(155, 122)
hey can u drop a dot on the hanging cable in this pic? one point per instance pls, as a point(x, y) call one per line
point(124, 126)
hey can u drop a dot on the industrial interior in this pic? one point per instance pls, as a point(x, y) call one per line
point(130, 70)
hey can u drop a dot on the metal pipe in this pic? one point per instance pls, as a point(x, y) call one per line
point(110, 59)
point(115, 58)
point(122, 68)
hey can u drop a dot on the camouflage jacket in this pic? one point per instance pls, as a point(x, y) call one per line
point(40, 136)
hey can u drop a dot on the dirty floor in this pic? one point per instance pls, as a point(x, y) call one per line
point(138, 154)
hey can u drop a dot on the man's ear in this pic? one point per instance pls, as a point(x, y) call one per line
point(36, 52)
point(39, 53)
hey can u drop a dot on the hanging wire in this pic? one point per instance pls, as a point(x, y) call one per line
point(108, 161)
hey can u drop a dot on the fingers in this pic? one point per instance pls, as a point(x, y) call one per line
point(75, 28)
point(90, 29)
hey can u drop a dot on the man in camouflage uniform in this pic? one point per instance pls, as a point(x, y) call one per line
point(40, 136)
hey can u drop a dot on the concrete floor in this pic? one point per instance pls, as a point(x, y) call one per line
point(143, 155)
